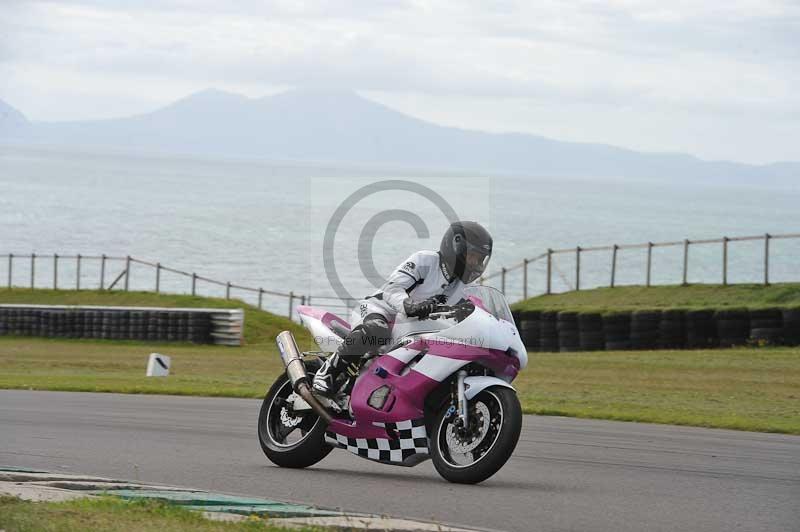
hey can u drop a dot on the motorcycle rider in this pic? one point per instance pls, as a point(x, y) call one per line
point(415, 287)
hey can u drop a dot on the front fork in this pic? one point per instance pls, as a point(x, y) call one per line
point(461, 399)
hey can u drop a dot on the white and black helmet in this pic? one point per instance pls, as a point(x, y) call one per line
point(463, 240)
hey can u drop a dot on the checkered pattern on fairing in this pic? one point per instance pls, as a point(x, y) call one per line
point(412, 440)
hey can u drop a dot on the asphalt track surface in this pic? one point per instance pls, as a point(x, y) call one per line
point(566, 474)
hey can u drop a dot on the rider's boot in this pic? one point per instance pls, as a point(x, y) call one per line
point(325, 378)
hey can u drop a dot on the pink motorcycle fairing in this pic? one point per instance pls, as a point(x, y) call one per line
point(394, 431)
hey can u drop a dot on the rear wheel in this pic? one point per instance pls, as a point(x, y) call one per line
point(289, 438)
point(468, 455)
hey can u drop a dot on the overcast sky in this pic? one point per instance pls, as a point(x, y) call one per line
point(719, 79)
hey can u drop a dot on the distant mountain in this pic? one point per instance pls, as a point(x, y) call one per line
point(11, 120)
point(342, 127)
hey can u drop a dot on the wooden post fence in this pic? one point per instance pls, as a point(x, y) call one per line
point(614, 264)
point(525, 279)
point(33, 269)
point(766, 258)
point(78, 272)
point(578, 268)
point(724, 261)
point(158, 277)
point(102, 271)
point(649, 262)
point(127, 272)
point(55, 271)
point(685, 260)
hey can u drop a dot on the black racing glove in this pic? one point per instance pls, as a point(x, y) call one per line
point(422, 309)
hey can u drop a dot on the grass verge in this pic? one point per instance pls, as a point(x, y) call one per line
point(746, 388)
point(654, 297)
point(112, 514)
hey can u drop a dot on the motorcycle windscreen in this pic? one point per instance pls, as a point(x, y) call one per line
point(493, 300)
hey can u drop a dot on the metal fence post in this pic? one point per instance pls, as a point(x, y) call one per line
point(291, 302)
point(260, 297)
point(228, 290)
point(78, 273)
point(614, 264)
point(158, 277)
point(503, 281)
point(55, 271)
point(549, 270)
point(127, 272)
point(578, 268)
point(33, 270)
point(649, 261)
point(525, 279)
point(10, 268)
point(194, 284)
point(724, 261)
point(766, 258)
point(102, 271)
point(685, 260)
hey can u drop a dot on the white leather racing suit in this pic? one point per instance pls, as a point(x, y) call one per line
point(419, 277)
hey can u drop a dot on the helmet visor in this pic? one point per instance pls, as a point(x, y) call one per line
point(476, 261)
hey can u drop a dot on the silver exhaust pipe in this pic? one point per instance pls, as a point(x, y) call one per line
point(296, 371)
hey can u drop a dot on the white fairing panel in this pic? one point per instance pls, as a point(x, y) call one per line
point(326, 339)
point(481, 329)
point(439, 368)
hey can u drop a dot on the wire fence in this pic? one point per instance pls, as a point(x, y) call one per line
point(555, 270)
point(561, 270)
point(106, 272)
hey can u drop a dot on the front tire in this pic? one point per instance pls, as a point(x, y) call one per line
point(288, 438)
point(475, 454)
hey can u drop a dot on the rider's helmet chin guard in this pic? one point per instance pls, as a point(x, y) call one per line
point(465, 251)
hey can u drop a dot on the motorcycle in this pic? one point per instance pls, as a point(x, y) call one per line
point(441, 389)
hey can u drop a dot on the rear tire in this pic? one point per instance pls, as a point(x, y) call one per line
point(495, 442)
point(303, 449)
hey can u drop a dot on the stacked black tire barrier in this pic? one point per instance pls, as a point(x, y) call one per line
point(591, 336)
point(617, 329)
point(672, 329)
point(733, 327)
point(766, 326)
point(791, 326)
point(202, 326)
point(568, 336)
point(529, 329)
point(548, 331)
point(552, 331)
point(645, 329)
point(701, 331)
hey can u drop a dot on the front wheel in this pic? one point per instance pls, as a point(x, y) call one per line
point(468, 455)
point(289, 438)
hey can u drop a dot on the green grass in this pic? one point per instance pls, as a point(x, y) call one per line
point(260, 327)
point(746, 388)
point(655, 297)
point(112, 514)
